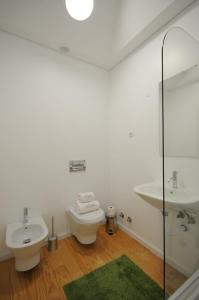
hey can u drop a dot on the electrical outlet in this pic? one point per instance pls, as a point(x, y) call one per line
point(121, 215)
point(129, 220)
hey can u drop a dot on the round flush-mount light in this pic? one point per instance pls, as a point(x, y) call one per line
point(79, 9)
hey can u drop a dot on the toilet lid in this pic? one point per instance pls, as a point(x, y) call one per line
point(88, 218)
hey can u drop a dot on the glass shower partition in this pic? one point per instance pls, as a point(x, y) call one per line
point(180, 114)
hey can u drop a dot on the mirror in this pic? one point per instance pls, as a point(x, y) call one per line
point(181, 95)
point(182, 125)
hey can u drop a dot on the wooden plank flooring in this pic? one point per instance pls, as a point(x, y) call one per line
point(73, 260)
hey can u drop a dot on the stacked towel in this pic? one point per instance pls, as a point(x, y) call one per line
point(86, 197)
point(86, 203)
point(83, 208)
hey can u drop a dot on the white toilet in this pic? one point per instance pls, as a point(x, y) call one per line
point(84, 226)
point(25, 242)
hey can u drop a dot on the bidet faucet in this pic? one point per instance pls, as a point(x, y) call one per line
point(174, 179)
point(25, 215)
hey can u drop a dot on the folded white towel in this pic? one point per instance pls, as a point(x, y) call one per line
point(86, 197)
point(83, 208)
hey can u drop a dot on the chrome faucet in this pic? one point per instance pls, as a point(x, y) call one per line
point(174, 179)
point(25, 215)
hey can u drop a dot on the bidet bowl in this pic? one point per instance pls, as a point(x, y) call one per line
point(25, 242)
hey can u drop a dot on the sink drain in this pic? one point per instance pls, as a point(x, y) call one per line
point(26, 241)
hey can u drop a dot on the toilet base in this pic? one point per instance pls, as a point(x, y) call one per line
point(85, 233)
point(85, 240)
point(27, 263)
point(84, 226)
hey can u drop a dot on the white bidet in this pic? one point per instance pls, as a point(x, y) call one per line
point(25, 242)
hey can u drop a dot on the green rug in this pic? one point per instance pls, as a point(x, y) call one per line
point(120, 279)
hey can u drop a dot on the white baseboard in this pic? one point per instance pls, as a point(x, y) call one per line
point(182, 269)
point(9, 255)
point(63, 235)
point(5, 256)
point(130, 232)
point(142, 241)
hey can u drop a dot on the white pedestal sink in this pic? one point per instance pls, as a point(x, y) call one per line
point(174, 198)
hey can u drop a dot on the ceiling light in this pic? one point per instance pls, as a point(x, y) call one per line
point(79, 9)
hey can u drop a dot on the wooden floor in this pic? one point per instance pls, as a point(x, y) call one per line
point(73, 260)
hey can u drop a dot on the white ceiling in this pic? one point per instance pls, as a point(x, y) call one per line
point(115, 28)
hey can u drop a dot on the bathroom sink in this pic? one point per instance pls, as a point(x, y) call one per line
point(174, 198)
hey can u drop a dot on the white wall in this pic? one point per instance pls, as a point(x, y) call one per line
point(134, 16)
point(134, 107)
point(52, 109)
point(138, 20)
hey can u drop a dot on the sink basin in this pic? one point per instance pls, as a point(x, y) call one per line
point(174, 198)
